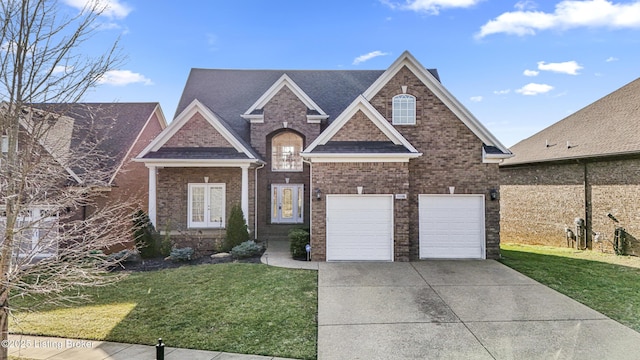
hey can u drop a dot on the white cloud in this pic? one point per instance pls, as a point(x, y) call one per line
point(476, 98)
point(611, 59)
point(112, 8)
point(430, 6)
point(369, 56)
point(531, 73)
point(567, 67)
point(568, 14)
point(502, 92)
point(123, 77)
point(525, 5)
point(534, 89)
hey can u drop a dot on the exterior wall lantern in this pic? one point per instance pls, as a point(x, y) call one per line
point(318, 194)
point(493, 194)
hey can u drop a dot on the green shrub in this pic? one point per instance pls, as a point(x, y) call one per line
point(166, 245)
point(123, 256)
point(145, 236)
point(246, 250)
point(237, 231)
point(298, 239)
point(181, 254)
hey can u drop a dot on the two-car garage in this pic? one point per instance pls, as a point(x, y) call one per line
point(361, 227)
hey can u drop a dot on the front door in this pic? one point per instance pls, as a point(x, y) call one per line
point(287, 204)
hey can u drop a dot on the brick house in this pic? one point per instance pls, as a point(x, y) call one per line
point(585, 166)
point(115, 132)
point(379, 164)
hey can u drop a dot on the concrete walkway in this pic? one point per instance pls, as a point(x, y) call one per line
point(457, 310)
point(278, 254)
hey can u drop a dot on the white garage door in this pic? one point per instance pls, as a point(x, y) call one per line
point(452, 226)
point(359, 227)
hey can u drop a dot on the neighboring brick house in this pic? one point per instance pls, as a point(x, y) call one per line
point(115, 132)
point(585, 166)
point(379, 164)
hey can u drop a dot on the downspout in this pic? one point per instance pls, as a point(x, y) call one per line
point(255, 202)
point(587, 207)
point(310, 198)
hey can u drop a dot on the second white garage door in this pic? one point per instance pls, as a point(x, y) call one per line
point(452, 226)
point(359, 227)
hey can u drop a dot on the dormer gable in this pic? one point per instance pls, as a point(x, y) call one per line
point(255, 114)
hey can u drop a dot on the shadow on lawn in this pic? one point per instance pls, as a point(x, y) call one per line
point(611, 289)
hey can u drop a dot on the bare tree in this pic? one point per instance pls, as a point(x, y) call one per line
point(51, 173)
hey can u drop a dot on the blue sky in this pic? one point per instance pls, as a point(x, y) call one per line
point(518, 66)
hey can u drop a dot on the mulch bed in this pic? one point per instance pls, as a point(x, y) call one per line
point(160, 263)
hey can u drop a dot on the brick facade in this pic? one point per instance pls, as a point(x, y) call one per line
point(540, 200)
point(359, 128)
point(284, 106)
point(197, 132)
point(452, 156)
point(376, 178)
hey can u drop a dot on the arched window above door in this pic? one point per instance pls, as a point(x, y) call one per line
point(285, 152)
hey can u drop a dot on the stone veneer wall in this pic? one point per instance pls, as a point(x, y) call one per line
point(452, 156)
point(376, 178)
point(540, 200)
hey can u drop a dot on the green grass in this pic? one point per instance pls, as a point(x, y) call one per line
point(607, 283)
point(238, 308)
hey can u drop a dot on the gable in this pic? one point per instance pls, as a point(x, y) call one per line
point(397, 76)
point(181, 140)
point(197, 132)
point(359, 128)
point(255, 113)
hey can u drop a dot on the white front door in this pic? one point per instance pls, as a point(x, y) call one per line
point(287, 203)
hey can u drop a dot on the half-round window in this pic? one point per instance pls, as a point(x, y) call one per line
point(404, 110)
point(285, 152)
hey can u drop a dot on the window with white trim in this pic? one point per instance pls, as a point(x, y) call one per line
point(404, 110)
point(285, 152)
point(5, 144)
point(206, 206)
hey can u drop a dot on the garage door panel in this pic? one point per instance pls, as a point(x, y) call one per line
point(451, 226)
point(359, 228)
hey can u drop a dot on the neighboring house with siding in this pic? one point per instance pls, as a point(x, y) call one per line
point(379, 164)
point(113, 132)
point(585, 166)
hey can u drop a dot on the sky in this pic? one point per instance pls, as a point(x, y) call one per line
point(518, 66)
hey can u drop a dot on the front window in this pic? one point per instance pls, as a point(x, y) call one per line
point(404, 110)
point(285, 152)
point(206, 205)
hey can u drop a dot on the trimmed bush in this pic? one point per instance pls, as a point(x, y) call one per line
point(145, 235)
point(298, 239)
point(182, 254)
point(237, 231)
point(246, 250)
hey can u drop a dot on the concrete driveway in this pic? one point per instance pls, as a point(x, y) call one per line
point(457, 310)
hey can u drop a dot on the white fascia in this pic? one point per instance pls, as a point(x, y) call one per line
point(160, 163)
point(359, 157)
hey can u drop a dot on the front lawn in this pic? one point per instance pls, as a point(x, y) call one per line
point(607, 283)
point(238, 308)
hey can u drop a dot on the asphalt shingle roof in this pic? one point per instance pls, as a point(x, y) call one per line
point(608, 126)
point(229, 93)
point(115, 126)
